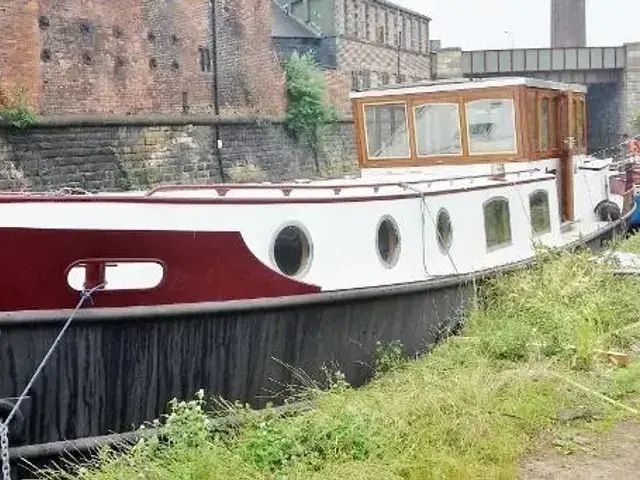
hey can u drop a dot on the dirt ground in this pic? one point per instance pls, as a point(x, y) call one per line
point(611, 457)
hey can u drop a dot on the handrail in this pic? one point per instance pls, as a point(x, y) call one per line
point(303, 186)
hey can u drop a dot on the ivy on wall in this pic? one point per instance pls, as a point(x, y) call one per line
point(308, 111)
point(15, 110)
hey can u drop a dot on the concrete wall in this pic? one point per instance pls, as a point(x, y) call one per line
point(139, 153)
point(631, 87)
point(568, 23)
point(448, 63)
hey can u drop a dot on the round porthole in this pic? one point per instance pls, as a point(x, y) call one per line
point(388, 242)
point(292, 251)
point(444, 230)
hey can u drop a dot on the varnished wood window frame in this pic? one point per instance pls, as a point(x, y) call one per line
point(408, 125)
point(554, 148)
point(515, 93)
point(454, 100)
point(515, 104)
point(577, 101)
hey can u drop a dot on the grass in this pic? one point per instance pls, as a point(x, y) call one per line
point(471, 409)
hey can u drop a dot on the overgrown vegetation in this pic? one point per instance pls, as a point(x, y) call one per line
point(470, 409)
point(15, 110)
point(308, 112)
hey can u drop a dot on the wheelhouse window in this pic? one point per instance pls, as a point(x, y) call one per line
point(544, 124)
point(497, 223)
point(491, 126)
point(540, 213)
point(579, 124)
point(386, 131)
point(438, 129)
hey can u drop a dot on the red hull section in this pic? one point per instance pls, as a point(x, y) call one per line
point(199, 267)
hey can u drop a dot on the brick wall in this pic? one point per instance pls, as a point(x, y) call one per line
point(140, 56)
point(136, 154)
point(19, 51)
point(250, 77)
point(97, 59)
point(380, 64)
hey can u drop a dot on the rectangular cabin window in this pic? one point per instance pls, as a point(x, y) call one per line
point(386, 131)
point(438, 129)
point(491, 126)
point(544, 124)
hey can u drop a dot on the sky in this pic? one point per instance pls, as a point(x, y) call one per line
point(481, 24)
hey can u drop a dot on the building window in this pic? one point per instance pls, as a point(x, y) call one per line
point(388, 242)
point(540, 213)
point(438, 129)
point(205, 59)
point(367, 21)
point(366, 80)
point(491, 126)
point(385, 78)
point(402, 78)
point(497, 223)
point(444, 231)
point(355, 81)
point(386, 131)
point(356, 18)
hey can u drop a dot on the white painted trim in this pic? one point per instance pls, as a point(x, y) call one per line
point(466, 84)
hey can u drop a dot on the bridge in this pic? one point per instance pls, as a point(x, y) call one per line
point(603, 69)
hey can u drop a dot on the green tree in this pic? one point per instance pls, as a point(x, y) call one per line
point(308, 111)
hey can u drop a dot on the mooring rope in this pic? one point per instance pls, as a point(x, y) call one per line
point(4, 426)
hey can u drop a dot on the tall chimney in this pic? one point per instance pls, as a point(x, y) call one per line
point(568, 23)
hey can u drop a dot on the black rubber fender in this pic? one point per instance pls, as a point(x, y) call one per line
point(16, 426)
point(607, 211)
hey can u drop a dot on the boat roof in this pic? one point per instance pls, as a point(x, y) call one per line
point(467, 84)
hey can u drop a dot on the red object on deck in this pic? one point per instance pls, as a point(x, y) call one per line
point(199, 267)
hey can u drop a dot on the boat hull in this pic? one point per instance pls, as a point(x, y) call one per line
point(117, 368)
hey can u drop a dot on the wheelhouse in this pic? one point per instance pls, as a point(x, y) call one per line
point(490, 121)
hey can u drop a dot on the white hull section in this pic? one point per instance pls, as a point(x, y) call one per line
point(341, 226)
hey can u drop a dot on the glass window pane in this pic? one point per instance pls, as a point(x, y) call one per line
point(497, 223)
point(540, 214)
point(580, 125)
point(438, 129)
point(491, 126)
point(544, 125)
point(387, 133)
